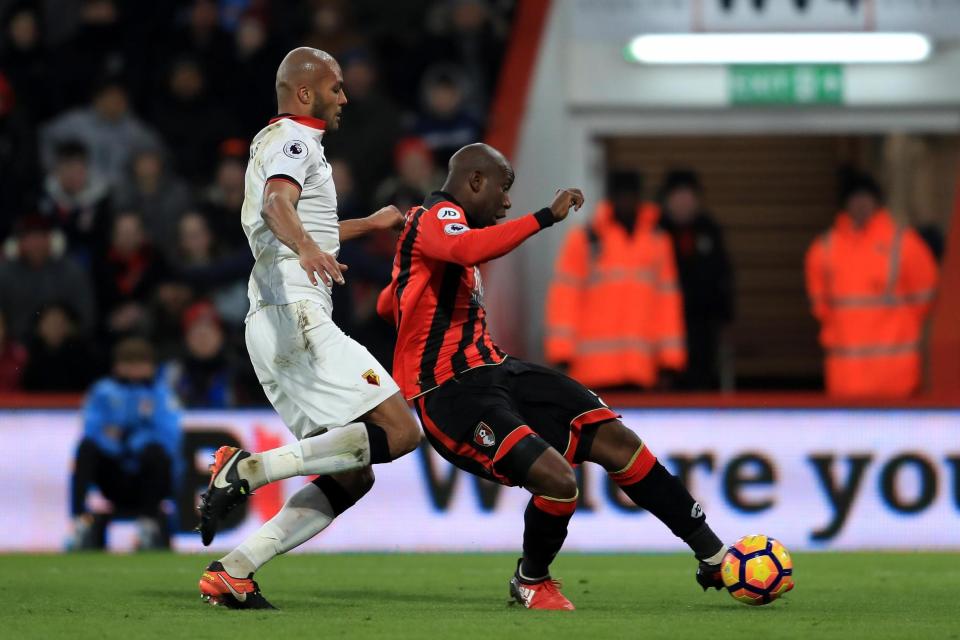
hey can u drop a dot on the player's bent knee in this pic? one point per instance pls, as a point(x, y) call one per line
point(404, 438)
point(401, 430)
point(363, 481)
point(411, 437)
point(551, 475)
point(614, 445)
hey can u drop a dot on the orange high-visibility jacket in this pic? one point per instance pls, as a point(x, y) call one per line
point(871, 289)
point(614, 309)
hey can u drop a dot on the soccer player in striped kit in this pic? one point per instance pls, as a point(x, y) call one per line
point(498, 417)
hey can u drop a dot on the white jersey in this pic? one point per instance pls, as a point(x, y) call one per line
point(289, 149)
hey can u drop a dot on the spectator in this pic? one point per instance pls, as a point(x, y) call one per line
point(18, 158)
point(871, 283)
point(159, 195)
point(13, 359)
point(61, 359)
point(109, 129)
point(445, 123)
point(127, 275)
point(348, 201)
point(374, 126)
point(203, 376)
point(331, 27)
point(224, 198)
point(706, 280)
point(212, 272)
point(186, 102)
point(203, 39)
point(96, 49)
point(77, 200)
point(195, 242)
point(471, 38)
point(614, 312)
point(252, 75)
point(26, 62)
point(355, 304)
point(36, 276)
point(415, 176)
point(370, 259)
point(130, 449)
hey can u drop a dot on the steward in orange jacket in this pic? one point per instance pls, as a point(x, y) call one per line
point(614, 310)
point(871, 283)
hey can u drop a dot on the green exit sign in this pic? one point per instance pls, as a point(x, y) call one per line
point(772, 84)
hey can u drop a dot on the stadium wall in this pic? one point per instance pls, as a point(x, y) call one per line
point(814, 478)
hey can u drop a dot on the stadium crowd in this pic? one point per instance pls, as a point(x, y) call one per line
point(124, 130)
point(123, 143)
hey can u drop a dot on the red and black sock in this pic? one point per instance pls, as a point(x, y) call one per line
point(650, 486)
point(545, 529)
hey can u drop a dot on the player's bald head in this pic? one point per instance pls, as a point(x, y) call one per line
point(304, 66)
point(310, 83)
point(480, 158)
point(479, 178)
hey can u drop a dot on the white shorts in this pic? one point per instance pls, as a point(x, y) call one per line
point(314, 375)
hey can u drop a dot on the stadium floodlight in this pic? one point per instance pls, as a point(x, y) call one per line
point(778, 48)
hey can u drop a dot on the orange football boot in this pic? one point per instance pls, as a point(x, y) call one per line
point(219, 588)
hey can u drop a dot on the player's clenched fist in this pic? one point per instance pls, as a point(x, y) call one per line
point(320, 263)
point(387, 218)
point(565, 199)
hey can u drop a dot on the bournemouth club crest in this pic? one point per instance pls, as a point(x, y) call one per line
point(484, 436)
point(371, 377)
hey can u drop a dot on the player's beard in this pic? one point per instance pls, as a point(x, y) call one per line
point(321, 112)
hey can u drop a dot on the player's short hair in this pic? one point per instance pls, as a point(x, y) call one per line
point(677, 179)
point(133, 350)
point(624, 181)
point(71, 150)
point(859, 183)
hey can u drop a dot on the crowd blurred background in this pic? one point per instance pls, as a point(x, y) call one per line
point(124, 130)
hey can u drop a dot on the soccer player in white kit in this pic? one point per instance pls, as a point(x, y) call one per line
point(341, 404)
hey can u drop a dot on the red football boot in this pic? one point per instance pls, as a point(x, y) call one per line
point(544, 594)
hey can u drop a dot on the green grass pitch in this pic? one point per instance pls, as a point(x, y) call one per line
point(858, 595)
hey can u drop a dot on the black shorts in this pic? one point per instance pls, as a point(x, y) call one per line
point(495, 421)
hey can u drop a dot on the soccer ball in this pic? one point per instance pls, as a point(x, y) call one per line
point(757, 570)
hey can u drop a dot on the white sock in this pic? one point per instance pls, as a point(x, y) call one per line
point(306, 513)
point(329, 453)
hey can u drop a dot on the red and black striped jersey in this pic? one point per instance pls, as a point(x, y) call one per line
point(435, 295)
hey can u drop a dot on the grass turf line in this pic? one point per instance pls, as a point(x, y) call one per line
point(439, 596)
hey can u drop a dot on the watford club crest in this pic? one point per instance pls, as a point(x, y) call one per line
point(371, 377)
point(484, 436)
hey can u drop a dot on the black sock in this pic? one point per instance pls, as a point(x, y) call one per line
point(663, 495)
point(543, 535)
point(379, 447)
point(704, 542)
point(340, 499)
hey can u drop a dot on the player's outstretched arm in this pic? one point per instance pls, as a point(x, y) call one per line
point(386, 218)
point(457, 243)
point(279, 211)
